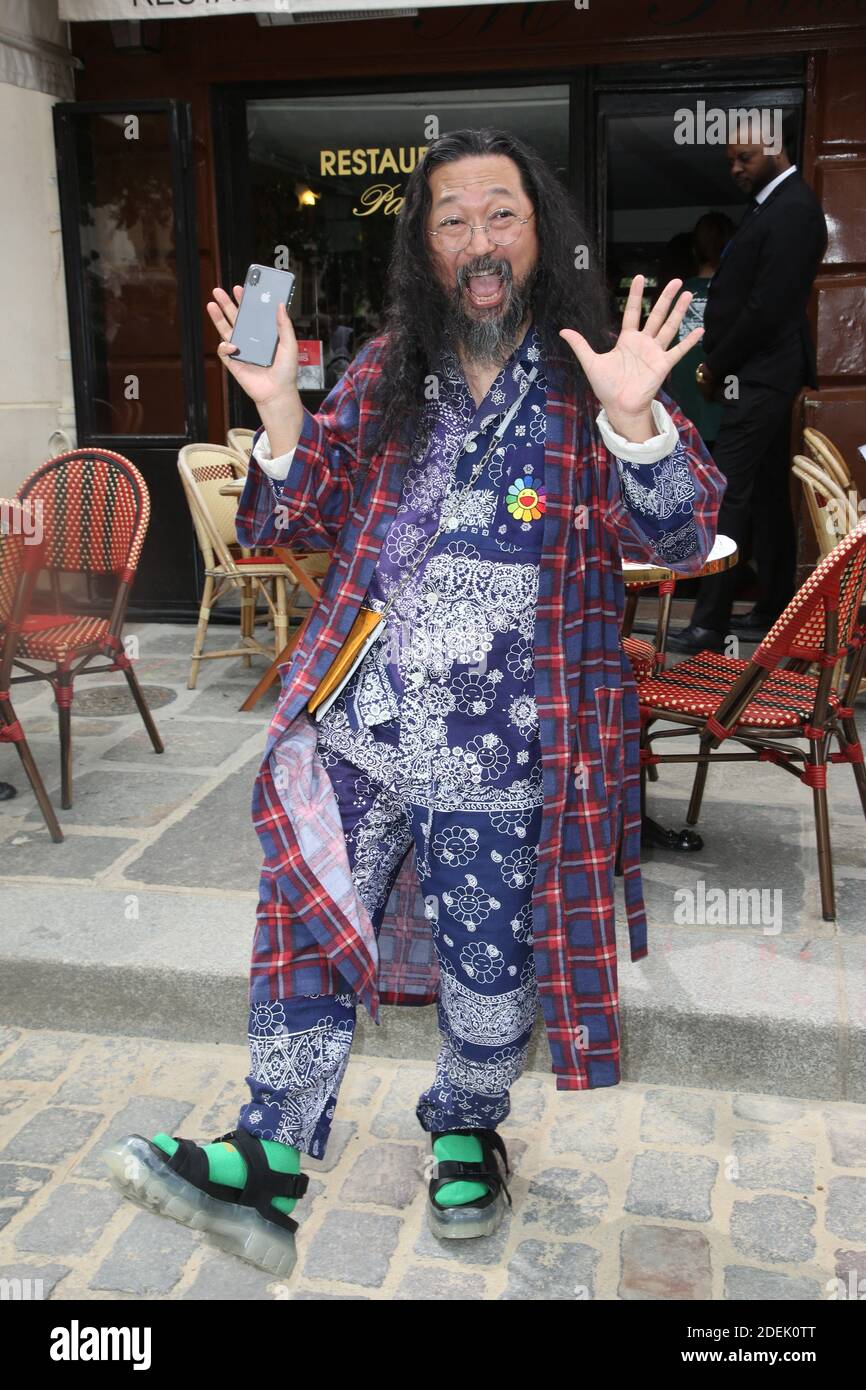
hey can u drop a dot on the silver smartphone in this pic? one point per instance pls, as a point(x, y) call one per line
point(255, 330)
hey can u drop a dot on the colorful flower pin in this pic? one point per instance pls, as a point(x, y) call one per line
point(525, 500)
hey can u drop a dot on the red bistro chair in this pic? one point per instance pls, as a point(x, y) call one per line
point(20, 562)
point(761, 705)
point(647, 657)
point(95, 511)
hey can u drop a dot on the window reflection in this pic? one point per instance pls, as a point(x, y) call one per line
point(130, 273)
point(326, 179)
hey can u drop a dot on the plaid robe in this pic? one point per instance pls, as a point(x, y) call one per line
point(587, 706)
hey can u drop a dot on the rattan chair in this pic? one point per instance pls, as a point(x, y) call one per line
point(825, 453)
point(21, 557)
point(241, 440)
point(94, 509)
point(204, 469)
point(764, 706)
point(646, 657)
point(830, 508)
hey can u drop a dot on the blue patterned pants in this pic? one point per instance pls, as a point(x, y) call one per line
point(477, 887)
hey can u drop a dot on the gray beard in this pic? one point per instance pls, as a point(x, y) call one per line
point(491, 339)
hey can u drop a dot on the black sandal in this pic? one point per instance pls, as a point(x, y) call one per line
point(239, 1220)
point(482, 1216)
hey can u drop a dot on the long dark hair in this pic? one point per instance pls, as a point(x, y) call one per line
point(563, 295)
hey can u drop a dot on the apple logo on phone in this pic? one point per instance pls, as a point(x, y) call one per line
point(266, 297)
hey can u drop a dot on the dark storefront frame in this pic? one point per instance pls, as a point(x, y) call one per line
point(169, 566)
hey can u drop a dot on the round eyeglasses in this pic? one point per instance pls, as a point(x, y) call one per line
point(502, 226)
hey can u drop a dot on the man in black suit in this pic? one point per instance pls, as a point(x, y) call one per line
point(758, 353)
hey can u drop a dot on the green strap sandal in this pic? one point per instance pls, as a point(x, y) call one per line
point(241, 1221)
point(483, 1215)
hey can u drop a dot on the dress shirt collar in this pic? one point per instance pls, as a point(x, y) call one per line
point(774, 184)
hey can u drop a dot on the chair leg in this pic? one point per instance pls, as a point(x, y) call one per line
point(28, 762)
point(201, 631)
point(649, 770)
point(281, 616)
point(698, 785)
point(644, 744)
point(63, 694)
point(248, 617)
point(628, 613)
point(825, 854)
point(851, 734)
point(143, 709)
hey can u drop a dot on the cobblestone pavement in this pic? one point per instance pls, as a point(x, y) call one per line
point(632, 1192)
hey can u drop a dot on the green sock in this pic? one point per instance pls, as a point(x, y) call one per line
point(461, 1148)
point(227, 1166)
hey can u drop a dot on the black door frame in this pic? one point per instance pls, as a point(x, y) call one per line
point(182, 606)
point(186, 243)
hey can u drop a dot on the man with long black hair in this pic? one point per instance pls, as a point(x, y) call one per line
point(446, 830)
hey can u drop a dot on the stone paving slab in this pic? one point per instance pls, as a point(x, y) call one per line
point(634, 1192)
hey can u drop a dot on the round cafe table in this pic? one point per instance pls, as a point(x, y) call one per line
point(723, 556)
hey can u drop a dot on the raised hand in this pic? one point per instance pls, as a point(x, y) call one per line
point(263, 385)
point(628, 377)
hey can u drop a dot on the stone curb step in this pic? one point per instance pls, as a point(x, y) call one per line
point(723, 1013)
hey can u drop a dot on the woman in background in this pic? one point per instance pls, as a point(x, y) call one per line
point(709, 238)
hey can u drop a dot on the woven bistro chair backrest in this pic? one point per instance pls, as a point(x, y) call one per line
point(204, 469)
point(94, 511)
point(836, 584)
point(241, 440)
point(829, 506)
point(825, 453)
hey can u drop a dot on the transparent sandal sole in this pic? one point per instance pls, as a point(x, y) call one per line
point(137, 1173)
point(463, 1223)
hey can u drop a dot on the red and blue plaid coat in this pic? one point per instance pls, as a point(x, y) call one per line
point(588, 714)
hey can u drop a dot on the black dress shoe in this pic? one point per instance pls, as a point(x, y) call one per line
point(7, 791)
point(751, 634)
point(754, 621)
point(696, 639)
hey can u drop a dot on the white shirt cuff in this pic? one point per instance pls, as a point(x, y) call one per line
point(651, 450)
point(276, 468)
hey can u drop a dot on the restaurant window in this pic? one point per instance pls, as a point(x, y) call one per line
point(325, 180)
point(126, 231)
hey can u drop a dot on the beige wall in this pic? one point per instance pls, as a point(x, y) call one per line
point(35, 376)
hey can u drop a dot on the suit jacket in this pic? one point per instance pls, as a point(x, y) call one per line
point(755, 324)
point(585, 694)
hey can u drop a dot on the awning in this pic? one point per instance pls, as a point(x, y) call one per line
point(33, 52)
point(206, 9)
